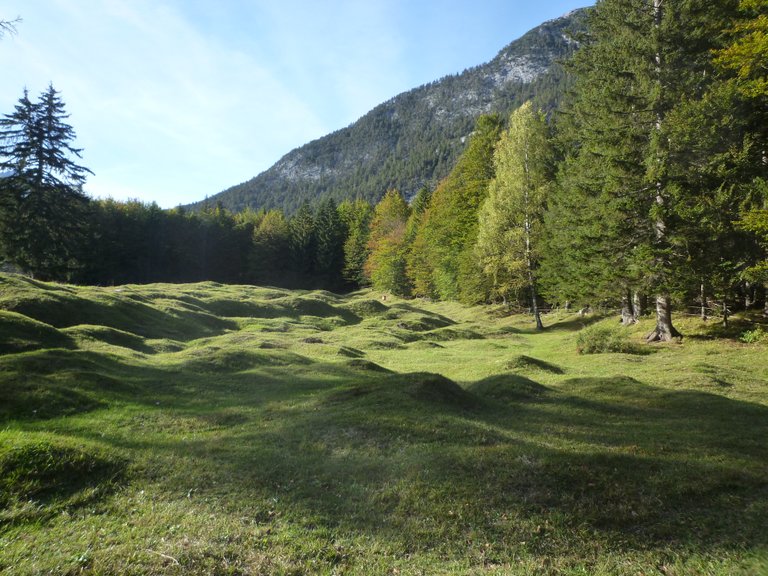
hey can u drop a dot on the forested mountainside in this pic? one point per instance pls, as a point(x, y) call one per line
point(415, 138)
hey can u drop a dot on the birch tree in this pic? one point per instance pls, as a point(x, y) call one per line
point(511, 216)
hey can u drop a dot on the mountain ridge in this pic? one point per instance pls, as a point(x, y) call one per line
point(413, 139)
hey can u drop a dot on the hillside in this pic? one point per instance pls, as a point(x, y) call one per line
point(209, 429)
point(414, 138)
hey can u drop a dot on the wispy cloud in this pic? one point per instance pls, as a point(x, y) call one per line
point(174, 100)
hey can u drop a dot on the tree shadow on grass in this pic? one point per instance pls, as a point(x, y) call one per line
point(415, 461)
point(637, 467)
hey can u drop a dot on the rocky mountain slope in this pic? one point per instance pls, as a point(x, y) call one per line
point(413, 139)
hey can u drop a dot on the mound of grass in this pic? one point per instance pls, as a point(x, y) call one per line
point(508, 388)
point(523, 362)
point(362, 364)
point(20, 334)
point(54, 475)
point(365, 308)
point(350, 352)
point(111, 336)
point(447, 334)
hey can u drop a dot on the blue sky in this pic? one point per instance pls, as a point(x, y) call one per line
point(176, 100)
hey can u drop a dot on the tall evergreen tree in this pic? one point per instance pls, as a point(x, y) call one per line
point(330, 232)
point(510, 218)
point(642, 60)
point(42, 206)
point(356, 216)
point(303, 243)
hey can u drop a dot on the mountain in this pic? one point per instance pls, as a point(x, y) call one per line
point(413, 139)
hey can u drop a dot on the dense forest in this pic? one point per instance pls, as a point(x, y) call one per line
point(646, 189)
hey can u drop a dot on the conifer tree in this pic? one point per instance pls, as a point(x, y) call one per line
point(42, 206)
point(303, 244)
point(357, 220)
point(622, 180)
point(330, 233)
point(510, 218)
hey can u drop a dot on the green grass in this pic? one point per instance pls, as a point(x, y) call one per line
point(209, 429)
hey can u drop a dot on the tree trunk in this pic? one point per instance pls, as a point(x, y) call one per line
point(536, 311)
point(725, 311)
point(627, 315)
point(703, 298)
point(749, 295)
point(765, 301)
point(639, 304)
point(664, 331)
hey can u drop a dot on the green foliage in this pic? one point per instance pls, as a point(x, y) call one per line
point(510, 218)
point(387, 245)
point(356, 217)
point(602, 338)
point(745, 55)
point(754, 336)
point(42, 207)
point(270, 250)
point(449, 226)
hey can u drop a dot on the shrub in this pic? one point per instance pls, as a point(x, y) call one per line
point(753, 336)
point(601, 338)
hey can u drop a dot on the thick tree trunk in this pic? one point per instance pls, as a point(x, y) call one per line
point(627, 315)
point(664, 331)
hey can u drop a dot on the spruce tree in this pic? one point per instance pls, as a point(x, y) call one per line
point(640, 62)
point(42, 206)
point(356, 217)
point(330, 233)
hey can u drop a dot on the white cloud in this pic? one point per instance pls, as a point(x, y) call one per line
point(174, 112)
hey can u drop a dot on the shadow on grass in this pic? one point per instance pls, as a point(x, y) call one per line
point(396, 456)
point(507, 465)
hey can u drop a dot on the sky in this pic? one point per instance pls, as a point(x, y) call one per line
point(176, 100)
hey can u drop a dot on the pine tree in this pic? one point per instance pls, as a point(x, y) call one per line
point(510, 218)
point(357, 217)
point(42, 204)
point(303, 243)
point(331, 233)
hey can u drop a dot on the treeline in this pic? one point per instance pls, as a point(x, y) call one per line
point(649, 185)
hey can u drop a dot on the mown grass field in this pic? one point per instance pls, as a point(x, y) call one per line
point(228, 430)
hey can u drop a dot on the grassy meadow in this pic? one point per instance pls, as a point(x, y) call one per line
point(232, 430)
